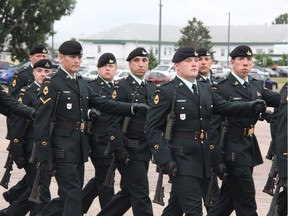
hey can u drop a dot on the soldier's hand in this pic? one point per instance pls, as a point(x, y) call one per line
point(258, 106)
point(122, 154)
point(20, 161)
point(140, 108)
point(94, 114)
point(169, 168)
point(266, 116)
point(48, 166)
point(221, 171)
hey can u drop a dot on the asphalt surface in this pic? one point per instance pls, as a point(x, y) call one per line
point(260, 174)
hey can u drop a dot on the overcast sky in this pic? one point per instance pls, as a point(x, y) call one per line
point(92, 16)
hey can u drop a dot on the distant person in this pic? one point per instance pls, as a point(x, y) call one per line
point(98, 138)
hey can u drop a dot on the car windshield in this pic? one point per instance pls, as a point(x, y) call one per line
point(162, 68)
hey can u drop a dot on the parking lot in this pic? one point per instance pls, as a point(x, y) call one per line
point(260, 174)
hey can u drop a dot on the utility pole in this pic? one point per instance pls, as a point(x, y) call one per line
point(160, 21)
point(52, 53)
point(228, 43)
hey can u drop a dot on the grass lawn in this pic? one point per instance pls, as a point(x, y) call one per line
point(280, 80)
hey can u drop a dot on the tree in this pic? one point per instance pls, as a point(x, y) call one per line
point(283, 61)
point(281, 19)
point(263, 59)
point(26, 22)
point(152, 59)
point(196, 35)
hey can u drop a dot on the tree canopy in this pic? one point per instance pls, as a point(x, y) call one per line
point(24, 23)
point(152, 59)
point(196, 35)
point(281, 19)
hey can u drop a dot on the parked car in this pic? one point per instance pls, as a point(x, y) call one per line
point(121, 74)
point(258, 71)
point(7, 71)
point(283, 71)
point(168, 70)
point(88, 73)
point(272, 73)
point(157, 77)
point(266, 81)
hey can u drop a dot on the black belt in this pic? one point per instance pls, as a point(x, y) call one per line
point(81, 126)
point(137, 126)
point(241, 131)
point(201, 135)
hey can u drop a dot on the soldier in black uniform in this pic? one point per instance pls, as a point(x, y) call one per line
point(187, 159)
point(21, 144)
point(129, 143)
point(66, 145)
point(240, 146)
point(103, 86)
point(25, 77)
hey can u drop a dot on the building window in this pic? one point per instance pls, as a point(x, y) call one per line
point(99, 49)
point(259, 51)
point(222, 52)
point(270, 51)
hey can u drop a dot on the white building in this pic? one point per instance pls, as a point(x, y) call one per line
point(123, 39)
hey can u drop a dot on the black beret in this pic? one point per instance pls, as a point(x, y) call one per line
point(139, 51)
point(183, 53)
point(106, 58)
point(241, 51)
point(203, 52)
point(43, 63)
point(39, 48)
point(71, 48)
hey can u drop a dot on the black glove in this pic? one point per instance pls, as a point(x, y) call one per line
point(140, 108)
point(221, 171)
point(266, 116)
point(122, 154)
point(94, 114)
point(20, 161)
point(169, 168)
point(258, 106)
point(48, 166)
point(284, 182)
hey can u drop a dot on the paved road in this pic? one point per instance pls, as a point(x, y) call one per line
point(260, 174)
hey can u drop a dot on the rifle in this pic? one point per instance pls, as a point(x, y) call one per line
point(170, 121)
point(8, 168)
point(270, 184)
point(109, 180)
point(35, 193)
point(273, 210)
point(208, 198)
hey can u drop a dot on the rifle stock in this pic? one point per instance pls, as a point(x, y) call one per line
point(272, 209)
point(8, 168)
point(159, 192)
point(109, 180)
point(270, 183)
point(35, 193)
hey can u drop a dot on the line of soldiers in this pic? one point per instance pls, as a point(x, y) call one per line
point(108, 121)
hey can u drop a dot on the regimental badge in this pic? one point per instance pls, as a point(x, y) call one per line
point(20, 100)
point(45, 90)
point(44, 143)
point(144, 53)
point(195, 53)
point(69, 106)
point(111, 61)
point(211, 146)
point(156, 146)
point(114, 94)
point(156, 99)
point(44, 51)
point(47, 65)
point(14, 83)
point(249, 53)
point(112, 138)
point(15, 141)
point(183, 116)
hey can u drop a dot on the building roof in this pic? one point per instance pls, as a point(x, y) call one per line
point(276, 34)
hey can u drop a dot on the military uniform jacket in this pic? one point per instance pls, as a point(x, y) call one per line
point(281, 136)
point(68, 144)
point(128, 90)
point(246, 148)
point(21, 79)
point(21, 131)
point(191, 154)
point(99, 128)
point(9, 105)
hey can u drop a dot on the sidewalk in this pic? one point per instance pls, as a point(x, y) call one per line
point(260, 175)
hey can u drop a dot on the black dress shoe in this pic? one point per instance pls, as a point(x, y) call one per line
point(6, 197)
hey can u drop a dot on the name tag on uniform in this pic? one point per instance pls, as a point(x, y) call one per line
point(67, 92)
point(181, 101)
point(183, 116)
point(235, 99)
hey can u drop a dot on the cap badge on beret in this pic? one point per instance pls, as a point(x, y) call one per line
point(249, 53)
point(110, 61)
point(144, 53)
point(207, 54)
point(44, 51)
point(195, 53)
point(47, 65)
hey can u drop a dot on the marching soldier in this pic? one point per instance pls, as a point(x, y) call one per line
point(21, 144)
point(129, 143)
point(240, 146)
point(103, 86)
point(64, 147)
point(187, 159)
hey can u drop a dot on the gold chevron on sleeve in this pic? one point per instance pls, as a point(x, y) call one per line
point(45, 101)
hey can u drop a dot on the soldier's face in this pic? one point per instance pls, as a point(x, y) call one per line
point(36, 57)
point(138, 66)
point(188, 68)
point(70, 63)
point(40, 74)
point(241, 66)
point(205, 63)
point(107, 72)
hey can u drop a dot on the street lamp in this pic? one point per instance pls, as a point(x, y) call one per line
point(228, 39)
point(159, 42)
